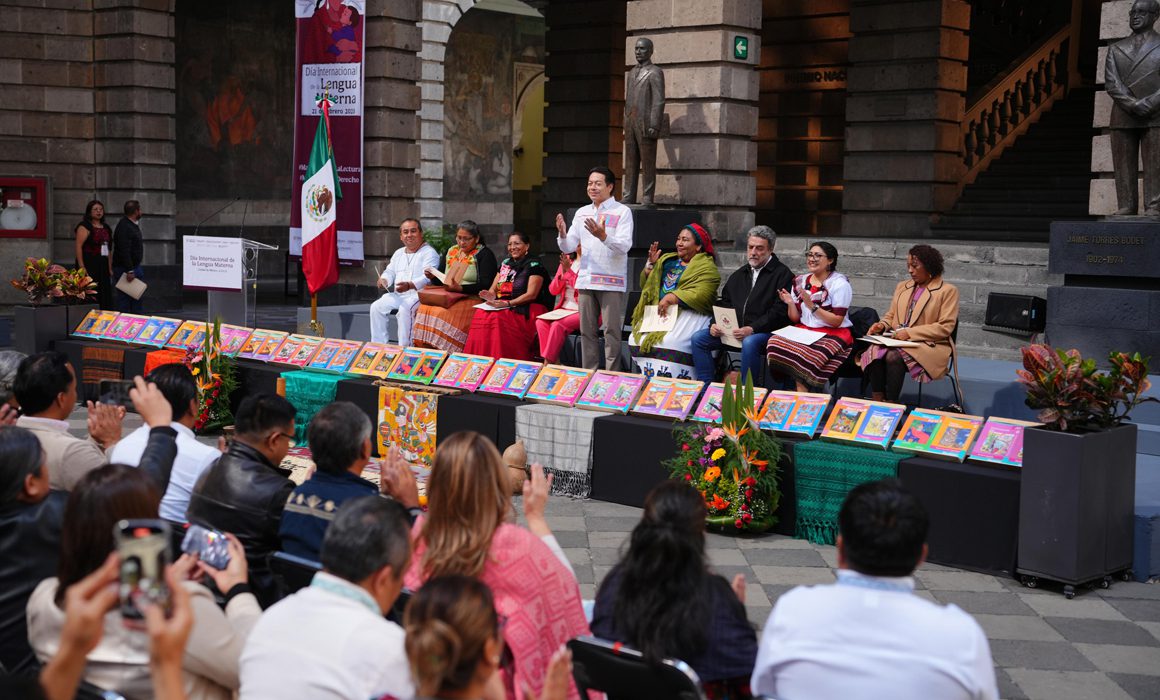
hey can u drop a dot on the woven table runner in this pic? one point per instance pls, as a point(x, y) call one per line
point(99, 363)
point(309, 392)
point(165, 356)
point(559, 438)
point(824, 473)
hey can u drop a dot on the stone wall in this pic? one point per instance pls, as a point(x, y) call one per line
point(1102, 195)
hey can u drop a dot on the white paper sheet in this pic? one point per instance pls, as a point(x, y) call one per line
point(889, 342)
point(800, 335)
point(557, 314)
point(653, 321)
point(726, 320)
point(135, 289)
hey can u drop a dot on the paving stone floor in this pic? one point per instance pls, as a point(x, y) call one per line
point(1103, 644)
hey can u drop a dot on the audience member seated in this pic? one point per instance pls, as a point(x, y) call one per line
point(331, 640)
point(120, 662)
point(455, 646)
point(9, 363)
point(868, 635)
point(663, 600)
point(511, 331)
point(751, 291)
point(684, 283)
point(551, 334)
point(402, 281)
point(924, 310)
point(465, 532)
point(178, 387)
point(245, 491)
point(818, 301)
point(46, 389)
point(340, 442)
point(446, 308)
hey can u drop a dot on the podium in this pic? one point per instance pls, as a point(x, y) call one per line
point(240, 307)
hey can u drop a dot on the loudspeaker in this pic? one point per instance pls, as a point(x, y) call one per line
point(1017, 312)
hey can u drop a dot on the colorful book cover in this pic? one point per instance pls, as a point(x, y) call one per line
point(807, 414)
point(510, 377)
point(365, 358)
point(468, 372)
point(325, 353)
point(845, 419)
point(344, 358)
point(386, 360)
point(879, 424)
point(270, 345)
point(417, 365)
point(104, 321)
point(1001, 441)
point(306, 351)
point(151, 333)
point(113, 330)
point(611, 391)
point(131, 326)
point(185, 333)
point(665, 397)
point(938, 434)
point(559, 384)
point(233, 338)
point(288, 349)
point(709, 408)
point(253, 344)
point(865, 422)
point(451, 370)
point(85, 327)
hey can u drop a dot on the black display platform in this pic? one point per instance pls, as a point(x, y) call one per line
point(255, 378)
point(974, 512)
point(133, 365)
point(787, 506)
point(626, 457)
point(364, 393)
point(494, 417)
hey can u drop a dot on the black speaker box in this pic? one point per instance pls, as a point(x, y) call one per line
point(1017, 312)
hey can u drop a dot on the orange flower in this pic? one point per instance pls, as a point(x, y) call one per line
point(719, 503)
point(711, 474)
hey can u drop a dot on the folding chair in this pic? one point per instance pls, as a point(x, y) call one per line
point(295, 572)
point(622, 673)
point(952, 372)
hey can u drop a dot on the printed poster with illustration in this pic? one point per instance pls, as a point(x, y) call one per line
point(559, 385)
point(863, 422)
point(938, 434)
point(794, 412)
point(668, 398)
point(611, 391)
point(418, 365)
point(407, 419)
point(1001, 442)
point(463, 371)
point(709, 408)
point(510, 377)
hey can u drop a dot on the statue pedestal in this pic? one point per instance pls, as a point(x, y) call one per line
point(1110, 298)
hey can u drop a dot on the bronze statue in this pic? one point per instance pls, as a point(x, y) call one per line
point(1132, 79)
point(644, 109)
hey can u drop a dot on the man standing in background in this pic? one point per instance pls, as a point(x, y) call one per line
point(128, 251)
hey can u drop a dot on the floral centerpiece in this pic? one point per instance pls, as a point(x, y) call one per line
point(1072, 396)
point(41, 280)
point(734, 466)
point(214, 372)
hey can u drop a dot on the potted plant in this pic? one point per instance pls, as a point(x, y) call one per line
point(734, 466)
point(214, 372)
point(78, 290)
point(41, 323)
point(1078, 489)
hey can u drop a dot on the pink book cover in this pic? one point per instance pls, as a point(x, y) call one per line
point(233, 338)
point(133, 326)
point(452, 369)
point(306, 351)
point(474, 373)
point(1001, 442)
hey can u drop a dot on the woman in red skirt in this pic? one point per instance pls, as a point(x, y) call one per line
point(510, 331)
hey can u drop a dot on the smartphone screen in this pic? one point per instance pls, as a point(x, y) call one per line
point(210, 546)
point(116, 392)
point(143, 546)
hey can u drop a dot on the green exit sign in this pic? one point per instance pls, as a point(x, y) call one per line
point(741, 48)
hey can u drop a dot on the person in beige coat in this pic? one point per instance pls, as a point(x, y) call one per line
point(923, 310)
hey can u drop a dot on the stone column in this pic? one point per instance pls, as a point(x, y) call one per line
point(708, 162)
point(585, 101)
point(390, 126)
point(134, 100)
point(907, 76)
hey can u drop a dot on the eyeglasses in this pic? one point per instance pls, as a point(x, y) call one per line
point(815, 256)
point(289, 438)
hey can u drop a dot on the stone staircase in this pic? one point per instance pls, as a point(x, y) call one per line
point(876, 265)
point(1043, 177)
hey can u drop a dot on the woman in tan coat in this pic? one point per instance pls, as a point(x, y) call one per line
point(924, 310)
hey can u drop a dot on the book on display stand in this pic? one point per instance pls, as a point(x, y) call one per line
point(133, 325)
point(664, 397)
point(418, 365)
point(253, 344)
point(463, 371)
point(305, 351)
point(510, 377)
point(184, 334)
point(157, 331)
point(386, 360)
point(863, 422)
point(104, 320)
point(348, 350)
point(709, 407)
point(559, 385)
point(938, 434)
point(113, 330)
point(611, 391)
point(270, 346)
point(233, 338)
point(84, 329)
point(325, 353)
point(1001, 442)
point(794, 412)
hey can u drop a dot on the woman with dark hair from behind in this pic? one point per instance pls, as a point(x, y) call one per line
point(455, 647)
point(663, 600)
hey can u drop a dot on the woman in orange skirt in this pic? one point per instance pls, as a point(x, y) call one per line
point(470, 268)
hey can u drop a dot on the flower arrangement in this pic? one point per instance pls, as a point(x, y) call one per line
point(734, 466)
point(41, 280)
point(1072, 396)
point(76, 286)
point(213, 371)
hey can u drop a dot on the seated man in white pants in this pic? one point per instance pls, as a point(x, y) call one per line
point(402, 280)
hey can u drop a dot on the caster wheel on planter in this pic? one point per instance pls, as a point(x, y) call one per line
point(1029, 581)
point(1126, 575)
point(1069, 592)
point(1106, 583)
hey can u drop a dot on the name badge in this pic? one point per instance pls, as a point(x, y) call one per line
point(105, 250)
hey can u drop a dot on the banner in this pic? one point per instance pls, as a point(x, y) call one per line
point(330, 62)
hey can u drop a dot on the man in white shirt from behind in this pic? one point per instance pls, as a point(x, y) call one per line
point(330, 639)
point(402, 281)
point(868, 635)
point(178, 387)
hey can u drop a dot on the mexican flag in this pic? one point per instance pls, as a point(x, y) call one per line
point(320, 195)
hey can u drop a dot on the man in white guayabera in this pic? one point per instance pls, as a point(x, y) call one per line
point(402, 281)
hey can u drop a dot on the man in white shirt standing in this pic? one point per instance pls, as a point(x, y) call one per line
point(330, 639)
point(402, 281)
point(180, 391)
point(604, 229)
point(868, 635)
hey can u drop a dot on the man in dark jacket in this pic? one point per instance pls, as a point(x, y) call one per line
point(751, 292)
point(128, 252)
point(245, 491)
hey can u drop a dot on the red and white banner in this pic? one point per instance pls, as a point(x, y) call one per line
point(330, 64)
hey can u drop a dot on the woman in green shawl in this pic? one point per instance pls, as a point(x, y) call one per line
point(683, 283)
